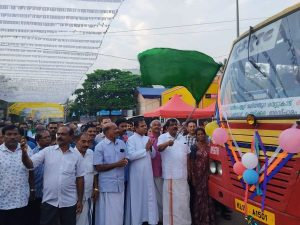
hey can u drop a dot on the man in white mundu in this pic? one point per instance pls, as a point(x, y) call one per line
point(141, 205)
point(176, 194)
point(110, 160)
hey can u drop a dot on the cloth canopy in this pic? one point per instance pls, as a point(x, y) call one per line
point(177, 108)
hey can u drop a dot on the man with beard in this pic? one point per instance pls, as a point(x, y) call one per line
point(14, 191)
point(176, 194)
point(141, 202)
point(53, 127)
point(91, 190)
point(63, 179)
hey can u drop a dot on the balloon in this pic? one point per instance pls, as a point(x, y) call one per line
point(250, 160)
point(289, 140)
point(239, 168)
point(220, 136)
point(250, 176)
point(210, 127)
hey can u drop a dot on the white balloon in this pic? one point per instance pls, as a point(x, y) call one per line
point(250, 160)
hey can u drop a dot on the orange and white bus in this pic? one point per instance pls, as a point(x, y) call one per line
point(260, 92)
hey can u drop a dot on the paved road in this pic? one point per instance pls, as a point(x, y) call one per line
point(236, 219)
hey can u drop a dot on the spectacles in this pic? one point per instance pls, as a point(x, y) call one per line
point(61, 134)
point(46, 137)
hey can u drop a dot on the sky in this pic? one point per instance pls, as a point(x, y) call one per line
point(214, 39)
point(55, 42)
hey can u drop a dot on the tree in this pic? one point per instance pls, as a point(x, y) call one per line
point(106, 89)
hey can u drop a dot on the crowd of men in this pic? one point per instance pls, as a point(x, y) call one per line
point(101, 173)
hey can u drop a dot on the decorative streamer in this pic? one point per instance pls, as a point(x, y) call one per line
point(246, 199)
point(231, 136)
point(276, 152)
point(256, 147)
point(271, 167)
point(264, 186)
point(275, 171)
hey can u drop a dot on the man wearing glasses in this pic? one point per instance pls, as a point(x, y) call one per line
point(43, 140)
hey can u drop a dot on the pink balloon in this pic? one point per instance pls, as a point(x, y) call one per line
point(220, 136)
point(239, 168)
point(289, 140)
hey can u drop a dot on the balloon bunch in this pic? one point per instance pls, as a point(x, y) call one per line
point(219, 135)
point(246, 167)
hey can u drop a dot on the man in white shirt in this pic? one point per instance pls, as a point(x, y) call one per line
point(14, 186)
point(141, 204)
point(176, 195)
point(63, 179)
point(91, 190)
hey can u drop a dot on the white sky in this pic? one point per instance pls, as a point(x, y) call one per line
point(140, 14)
point(33, 62)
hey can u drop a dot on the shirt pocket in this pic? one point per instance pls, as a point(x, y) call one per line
point(90, 168)
point(68, 168)
point(108, 157)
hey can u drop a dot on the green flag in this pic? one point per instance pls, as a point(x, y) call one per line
point(170, 67)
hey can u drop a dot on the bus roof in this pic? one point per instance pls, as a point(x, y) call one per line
point(277, 16)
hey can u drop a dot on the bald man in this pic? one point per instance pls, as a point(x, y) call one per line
point(110, 160)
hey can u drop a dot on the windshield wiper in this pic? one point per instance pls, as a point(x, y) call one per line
point(257, 67)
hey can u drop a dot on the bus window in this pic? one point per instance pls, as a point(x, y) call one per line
point(275, 49)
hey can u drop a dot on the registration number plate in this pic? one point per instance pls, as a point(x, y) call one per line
point(265, 216)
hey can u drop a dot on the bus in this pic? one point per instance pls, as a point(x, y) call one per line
point(260, 92)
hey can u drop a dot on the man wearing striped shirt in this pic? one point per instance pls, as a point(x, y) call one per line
point(191, 136)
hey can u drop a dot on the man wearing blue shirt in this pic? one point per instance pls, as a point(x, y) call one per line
point(110, 160)
point(43, 140)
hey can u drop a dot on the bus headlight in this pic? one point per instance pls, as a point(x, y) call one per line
point(212, 167)
point(219, 168)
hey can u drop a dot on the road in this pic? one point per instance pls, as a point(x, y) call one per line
point(236, 219)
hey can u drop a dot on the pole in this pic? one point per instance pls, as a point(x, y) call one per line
point(237, 19)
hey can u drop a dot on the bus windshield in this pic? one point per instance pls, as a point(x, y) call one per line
point(273, 88)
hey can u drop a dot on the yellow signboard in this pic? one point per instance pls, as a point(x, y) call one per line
point(42, 109)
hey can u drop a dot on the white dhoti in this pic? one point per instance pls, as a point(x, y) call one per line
point(176, 202)
point(111, 208)
point(85, 217)
point(158, 182)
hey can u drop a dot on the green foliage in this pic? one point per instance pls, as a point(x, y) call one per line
point(106, 89)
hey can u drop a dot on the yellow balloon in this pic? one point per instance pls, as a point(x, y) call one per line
point(210, 127)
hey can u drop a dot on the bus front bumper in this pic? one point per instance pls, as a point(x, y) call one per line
point(236, 202)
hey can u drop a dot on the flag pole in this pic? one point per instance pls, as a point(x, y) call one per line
point(188, 118)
